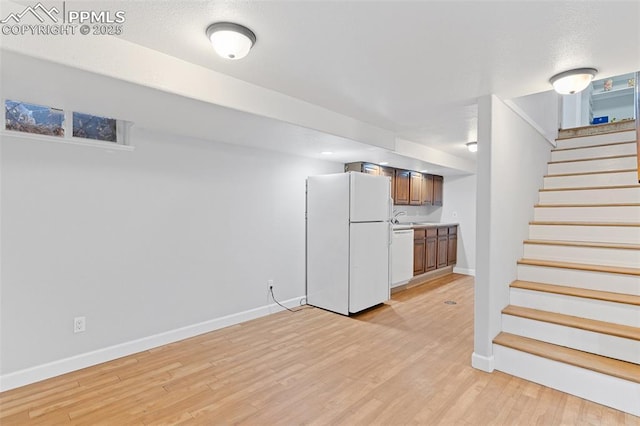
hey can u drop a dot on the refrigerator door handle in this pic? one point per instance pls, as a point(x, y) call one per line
point(390, 237)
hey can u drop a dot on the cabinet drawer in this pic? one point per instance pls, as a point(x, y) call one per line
point(443, 231)
point(432, 232)
point(418, 234)
point(453, 230)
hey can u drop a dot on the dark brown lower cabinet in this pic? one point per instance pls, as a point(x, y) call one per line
point(443, 247)
point(452, 246)
point(432, 249)
point(418, 252)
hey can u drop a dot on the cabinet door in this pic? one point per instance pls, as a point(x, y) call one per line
point(432, 253)
point(418, 257)
point(452, 252)
point(443, 248)
point(372, 169)
point(438, 182)
point(390, 172)
point(427, 189)
point(402, 187)
point(415, 189)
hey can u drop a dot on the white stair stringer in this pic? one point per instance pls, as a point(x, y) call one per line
point(590, 280)
point(604, 195)
point(601, 388)
point(590, 255)
point(593, 165)
point(587, 213)
point(582, 180)
point(599, 310)
point(608, 138)
point(628, 148)
point(605, 233)
point(585, 340)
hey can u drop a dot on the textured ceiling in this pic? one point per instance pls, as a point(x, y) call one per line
point(415, 68)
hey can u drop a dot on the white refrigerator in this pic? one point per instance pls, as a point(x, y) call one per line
point(348, 239)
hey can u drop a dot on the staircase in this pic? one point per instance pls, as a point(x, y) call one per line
point(573, 322)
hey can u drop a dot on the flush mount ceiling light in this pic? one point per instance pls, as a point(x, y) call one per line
point(231, 41)
point(472, 146)
point(572, 81)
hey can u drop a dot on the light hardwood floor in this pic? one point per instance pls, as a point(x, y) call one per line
point(407, 362)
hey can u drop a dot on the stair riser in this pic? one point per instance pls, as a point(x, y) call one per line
point(597, 140)
point(591, 196)
point(587, 341)
point(595, 152)
point(587, 181)
point(593, 165)
point(616, 214)
point(603, 234)
point(600, 310)
point(588, 255)
point(616, 283)
point(600, 388)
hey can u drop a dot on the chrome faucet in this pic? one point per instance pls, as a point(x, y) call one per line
point(395, 216)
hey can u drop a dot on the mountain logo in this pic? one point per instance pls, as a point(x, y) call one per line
point(38, 11)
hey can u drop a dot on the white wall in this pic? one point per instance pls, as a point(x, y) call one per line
point(541, 110)
point(180, 234)
point(512, 158)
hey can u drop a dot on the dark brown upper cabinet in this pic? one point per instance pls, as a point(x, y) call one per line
point(402, 187)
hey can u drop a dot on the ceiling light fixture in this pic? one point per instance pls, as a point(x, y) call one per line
point(472, 146)
point(231, 41)
point(572, 81)
point(326, 152)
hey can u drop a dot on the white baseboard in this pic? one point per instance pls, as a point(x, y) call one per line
point(464, 271)
point(77, 362)
point(484, 363)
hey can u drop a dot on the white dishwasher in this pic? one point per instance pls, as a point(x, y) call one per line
point(401, 257)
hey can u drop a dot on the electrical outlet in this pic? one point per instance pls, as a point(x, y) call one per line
point(79, 324)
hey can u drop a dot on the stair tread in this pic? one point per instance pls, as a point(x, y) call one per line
point(591, 173)
point(612, 367)
point(589, 205)
point(584, 244)
point(555, 222)
point(627, 299)
point(581, 266)
point(579, 160)
point(590, 188)
point(592, 146)
point(603, 327)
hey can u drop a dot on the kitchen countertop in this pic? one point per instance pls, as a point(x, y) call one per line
point(414, 225)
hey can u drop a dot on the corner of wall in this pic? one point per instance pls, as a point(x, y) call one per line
point(484, 363)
